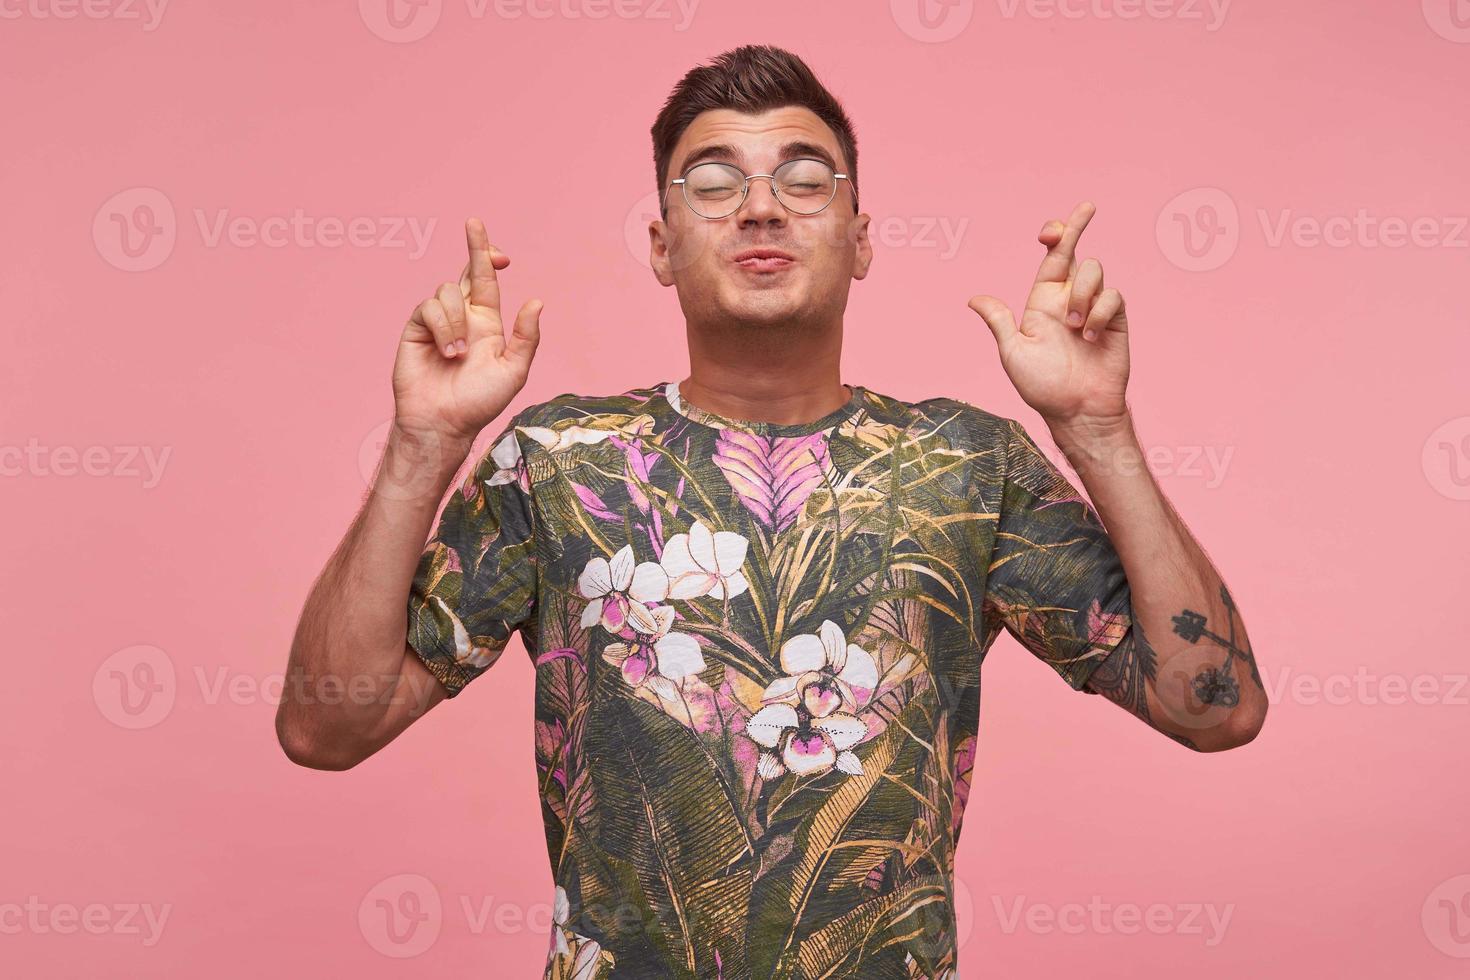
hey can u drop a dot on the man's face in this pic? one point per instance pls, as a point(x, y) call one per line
point(700, 256)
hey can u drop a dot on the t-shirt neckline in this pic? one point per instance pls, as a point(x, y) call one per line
point(669, 391)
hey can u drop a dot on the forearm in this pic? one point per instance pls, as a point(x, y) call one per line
point(1186, 666)
point(343, 681)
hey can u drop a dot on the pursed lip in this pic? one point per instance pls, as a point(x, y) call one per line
point(763, 253)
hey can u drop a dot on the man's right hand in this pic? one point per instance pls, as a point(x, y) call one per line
point(456, 371)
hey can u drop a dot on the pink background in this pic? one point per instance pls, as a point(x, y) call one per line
point(1327, 380)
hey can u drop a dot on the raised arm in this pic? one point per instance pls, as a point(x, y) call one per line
point(352, 682)
point(1185, 665)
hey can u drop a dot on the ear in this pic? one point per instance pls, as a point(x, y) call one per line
point(863, 253)
point(658, 252)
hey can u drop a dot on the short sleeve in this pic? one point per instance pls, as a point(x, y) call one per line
point(477, 578)
point(1055, 581)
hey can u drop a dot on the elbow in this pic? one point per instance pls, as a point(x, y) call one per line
point(309, 752)
point(1241, 728)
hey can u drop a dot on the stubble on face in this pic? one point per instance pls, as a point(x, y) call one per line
point(758, 297)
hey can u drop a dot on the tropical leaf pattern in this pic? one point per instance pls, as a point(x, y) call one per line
point(757, 652)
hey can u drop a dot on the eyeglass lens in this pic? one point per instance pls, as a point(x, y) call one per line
point(714, 189)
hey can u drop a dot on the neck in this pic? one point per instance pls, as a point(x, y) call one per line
point(766, 374)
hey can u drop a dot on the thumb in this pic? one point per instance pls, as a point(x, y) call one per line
point(526, 333)
point(997, 317)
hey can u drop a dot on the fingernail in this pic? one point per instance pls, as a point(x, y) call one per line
point(1074, 319)
point(460, 345)
point(1089, 334)
point(448, 350)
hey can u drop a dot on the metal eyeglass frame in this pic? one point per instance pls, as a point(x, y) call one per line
point(745, 188)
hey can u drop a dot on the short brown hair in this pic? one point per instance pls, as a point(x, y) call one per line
point(750, 78)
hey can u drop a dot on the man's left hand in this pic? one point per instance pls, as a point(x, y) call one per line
point(1068, 359)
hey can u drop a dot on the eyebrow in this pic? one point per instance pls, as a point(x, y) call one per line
point(724, 152)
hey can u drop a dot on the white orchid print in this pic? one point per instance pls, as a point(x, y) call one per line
point(809, 724)
point(654, 658)
point(586, 955)
point(506, 454)
point(704, 562)
point(557, 440)
point(615, 587)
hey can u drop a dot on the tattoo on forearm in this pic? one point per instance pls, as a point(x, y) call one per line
point(1125, 676)
point(1217, 685)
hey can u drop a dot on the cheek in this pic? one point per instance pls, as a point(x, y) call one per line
point(838, 235)
point(832, 253)
point(691, 251)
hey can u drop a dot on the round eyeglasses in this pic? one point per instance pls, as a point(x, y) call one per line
point(716, 190)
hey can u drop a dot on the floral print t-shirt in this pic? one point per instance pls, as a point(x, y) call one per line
point(757, 650)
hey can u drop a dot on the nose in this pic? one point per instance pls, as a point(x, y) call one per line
point(761, 204)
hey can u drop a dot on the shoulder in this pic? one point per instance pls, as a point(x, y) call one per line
point(570, 421)
point(962, 423)
point(572, 407)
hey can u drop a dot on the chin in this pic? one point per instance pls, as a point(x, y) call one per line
point(762, 307)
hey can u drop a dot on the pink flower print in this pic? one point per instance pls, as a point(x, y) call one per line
point(611, 586)
point(803, 744)
point(824, 673)
point(808, 723)
point(655, 658)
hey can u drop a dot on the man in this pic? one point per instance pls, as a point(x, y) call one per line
point(758, 599)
